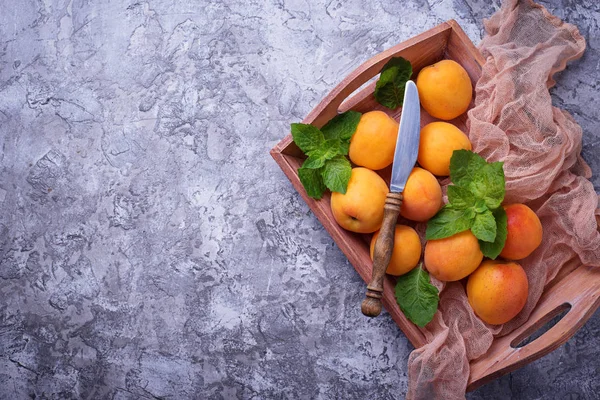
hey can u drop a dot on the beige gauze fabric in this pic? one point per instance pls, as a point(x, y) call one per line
point(514, 121)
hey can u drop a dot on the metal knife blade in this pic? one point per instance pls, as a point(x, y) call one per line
point(407, 145)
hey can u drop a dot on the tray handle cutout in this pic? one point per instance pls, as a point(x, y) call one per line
point(541, 327)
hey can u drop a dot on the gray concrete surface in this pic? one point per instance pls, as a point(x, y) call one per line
point(150, 247)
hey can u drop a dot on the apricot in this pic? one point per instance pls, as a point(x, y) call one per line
point(445, 89)
point(497, 291)
point(437, 143)
point(373, 144)
point(453, 258)
point(360, 209)
point(406, 253)
point(422, 196)
point(524, 232)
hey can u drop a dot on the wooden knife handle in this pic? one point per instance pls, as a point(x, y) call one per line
point(371, 305)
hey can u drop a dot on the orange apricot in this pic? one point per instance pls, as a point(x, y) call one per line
point(524, 232)
point(445, 89)
point(360, 209)
point(437, 143)
point(453, 258)
point(497, 291)
point(406, 253)
point(422, 196)
point(374, 142)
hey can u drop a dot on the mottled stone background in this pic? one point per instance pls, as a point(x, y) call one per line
point(149, 245)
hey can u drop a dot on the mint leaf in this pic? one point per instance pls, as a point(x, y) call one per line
point(329, 149)
point(492, 250)
point(307, 137)
point(469, 213)
point(464, 165)
point(460, 197)
point(325, 165)
point(485, 181)
point(484, 226)
point(315, 162)
point(389, 89)
point(488, 184)
point(344, 147)
point(474, 203)
point(337, 146)
point(480, 206)
point(417, 297)
point(312, 181)
point(336, 174)
point(342, 126)
point(449, 221)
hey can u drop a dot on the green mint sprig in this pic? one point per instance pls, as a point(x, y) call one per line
point(417, 297)
point(389, 89)
point(326, 166)
point(474, 202)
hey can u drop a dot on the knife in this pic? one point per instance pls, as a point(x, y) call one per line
point(405, 156)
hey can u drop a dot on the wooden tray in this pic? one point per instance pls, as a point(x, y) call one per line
point(575, 290)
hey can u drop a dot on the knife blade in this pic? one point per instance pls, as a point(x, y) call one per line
point(407, 144)
point(405, 156)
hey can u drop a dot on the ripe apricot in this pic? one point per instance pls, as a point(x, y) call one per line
point(524, 232)
point(360, 209)
point(437, 143)
point(422, 196)
point(445, 89)
point(373, 144)
point(454, 257)
point(406, 252)
point(497, 291)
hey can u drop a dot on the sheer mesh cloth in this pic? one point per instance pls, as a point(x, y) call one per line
point(514, 121)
